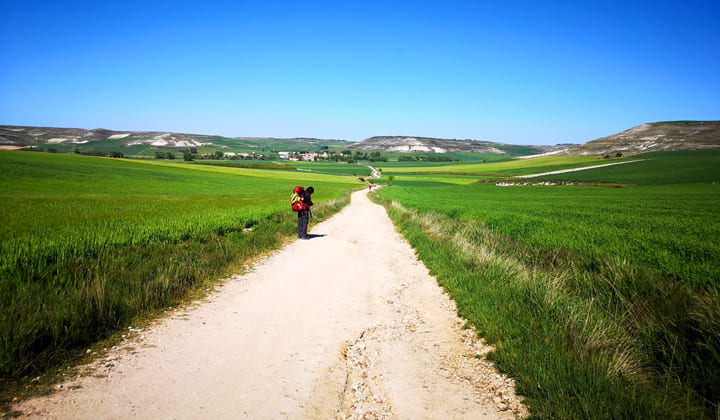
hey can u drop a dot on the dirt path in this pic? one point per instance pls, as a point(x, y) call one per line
point(585, 168)
point(346, 325)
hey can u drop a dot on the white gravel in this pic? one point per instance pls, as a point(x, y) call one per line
point(563, 171)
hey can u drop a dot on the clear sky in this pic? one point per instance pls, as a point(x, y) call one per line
point(520, 72)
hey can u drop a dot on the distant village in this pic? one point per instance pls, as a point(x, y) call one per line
point(343, 156)
point(293, 156)
point(296, 156)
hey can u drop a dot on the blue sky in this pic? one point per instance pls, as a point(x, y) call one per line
point(520, 72)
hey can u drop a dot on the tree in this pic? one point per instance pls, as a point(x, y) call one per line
point(188, 156)
point(391, 178)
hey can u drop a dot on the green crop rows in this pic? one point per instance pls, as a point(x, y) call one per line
point(88, 243)
point(56, 207)
point(332, 168)
point(602, 302)
point(672, 230)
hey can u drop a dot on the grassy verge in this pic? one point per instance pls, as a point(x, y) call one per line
point(584, 335)
point(65, 306)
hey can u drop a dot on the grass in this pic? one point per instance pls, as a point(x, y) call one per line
point(462, 158)
point(280, 145)
point(660, 227)
point(247, 164)
point(506, 167)
point(59, 206)
point(427, 179)
point(658, 168)
point(87, 244)
point(332, 168)
point(602, 303)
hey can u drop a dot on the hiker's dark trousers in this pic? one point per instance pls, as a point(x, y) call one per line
point(303, 219)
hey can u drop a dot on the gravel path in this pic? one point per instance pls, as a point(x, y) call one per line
point(585, 168)
point(346, 325)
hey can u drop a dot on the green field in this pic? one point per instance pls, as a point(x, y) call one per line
point(57, 206)
point(89, 243)
point(247, 164)
point(332, 168)
point(260, 145)
point(458, 159)
point(661, 228)
point(501, 168)
point(658, 168)
point(602, 302)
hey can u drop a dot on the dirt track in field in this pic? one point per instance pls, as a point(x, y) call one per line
point(348, 324)
point(585, 168)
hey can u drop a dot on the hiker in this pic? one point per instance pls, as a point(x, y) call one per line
point(304, 215)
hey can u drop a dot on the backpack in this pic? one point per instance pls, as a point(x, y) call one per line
point(296, 200)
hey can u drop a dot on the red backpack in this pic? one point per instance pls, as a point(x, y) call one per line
point(296, 200)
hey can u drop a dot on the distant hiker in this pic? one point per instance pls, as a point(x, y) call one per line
point(369, 187)
point(304, 214)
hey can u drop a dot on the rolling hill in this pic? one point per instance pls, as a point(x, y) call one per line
point(23, 136)
point(660, 136)
point(407, 144)
point(425, 144)
point(64, 138)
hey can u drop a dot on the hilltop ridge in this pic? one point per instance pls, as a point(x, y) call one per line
point(28, 135)
point(407, 144)
point(23, 136)
point(659, 136)
point(416, 144)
